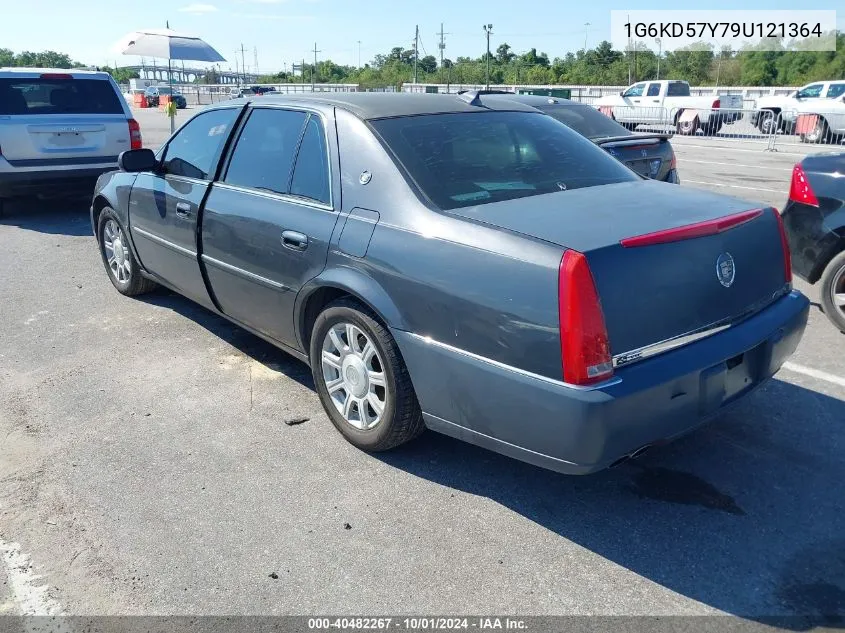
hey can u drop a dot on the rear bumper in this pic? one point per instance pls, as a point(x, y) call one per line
point(582, 430)
point(51, 182)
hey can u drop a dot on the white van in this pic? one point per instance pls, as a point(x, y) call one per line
point(59, 130)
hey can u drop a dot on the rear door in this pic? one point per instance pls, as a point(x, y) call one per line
point(164, 206)
point(267, 224)
point(61, 120)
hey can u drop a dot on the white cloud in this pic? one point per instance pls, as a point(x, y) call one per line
point(267, 1)
point(265, 16)
point(197, 8)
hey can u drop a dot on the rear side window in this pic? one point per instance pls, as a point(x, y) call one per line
point(58, 96)
point(460, 160)
point(265, 151)
point(195, 149)
point(311, 174)
point(586, 120)
point(835, 90)
point(677, 89)
point(653, 90)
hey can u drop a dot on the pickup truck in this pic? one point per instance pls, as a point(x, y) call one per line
point(821, 120)
point(782, 109)
point(669, 102)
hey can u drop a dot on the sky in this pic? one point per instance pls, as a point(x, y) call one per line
point(284, 31)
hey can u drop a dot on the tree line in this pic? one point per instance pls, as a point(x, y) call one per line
point(602, 65)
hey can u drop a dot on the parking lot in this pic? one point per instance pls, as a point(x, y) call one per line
point(146, 467)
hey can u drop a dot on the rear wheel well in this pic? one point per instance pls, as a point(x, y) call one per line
point(318, 300)
point(822, 263)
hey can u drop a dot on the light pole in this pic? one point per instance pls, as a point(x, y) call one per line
point(359, 54)
point(586, 32)
point(488, 29)
point(659, 53)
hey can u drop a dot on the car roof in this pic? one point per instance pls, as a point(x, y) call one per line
point(536, 101)
point(381, 105)
point(35, 73)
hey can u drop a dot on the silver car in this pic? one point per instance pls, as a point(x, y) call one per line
point(59, 130)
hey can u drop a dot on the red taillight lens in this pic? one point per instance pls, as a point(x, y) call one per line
point(800, 189)
point(673, 164)
point(784, 242)
point(717, 104)
point(135, 135)
point(691, 231)
point(584, 345)
point(56, 76)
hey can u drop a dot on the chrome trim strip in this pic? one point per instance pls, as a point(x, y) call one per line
point(559, 383)
point(275, 285)
point(160, 240)
point(282, 197)
point(620, 360)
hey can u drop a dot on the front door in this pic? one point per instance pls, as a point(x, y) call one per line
point(268, 222)
point(163, 206)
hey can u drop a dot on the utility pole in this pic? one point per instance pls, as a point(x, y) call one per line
point(255, 53)
point(660, 52)
point(416, 53)
point(359, 54)
point(302, 71)
point(243, 62)
point(586, 33)
point(442, 45)
point(314, 72)
point(488, 29)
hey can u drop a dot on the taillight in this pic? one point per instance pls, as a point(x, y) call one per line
point(800, 190)
point(135, 135)
point(692, 231)
point(717, 104)
point(784, 242)
point(584, 345)
point(673, 163)
point(56, 76)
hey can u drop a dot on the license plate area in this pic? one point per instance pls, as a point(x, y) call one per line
point(723, 382)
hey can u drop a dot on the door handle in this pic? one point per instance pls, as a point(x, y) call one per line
point(294, 240)
point(656, 100)
point(183, 209)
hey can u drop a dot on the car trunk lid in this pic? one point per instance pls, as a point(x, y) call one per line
point(653, 292)
point(649, 155)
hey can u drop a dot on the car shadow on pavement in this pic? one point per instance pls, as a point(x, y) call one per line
point(54, 216)
point(253, 346)
point(745, 515)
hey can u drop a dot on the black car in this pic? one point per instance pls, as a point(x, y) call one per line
point(650, 155)
point(154, 94)
point(814, 217)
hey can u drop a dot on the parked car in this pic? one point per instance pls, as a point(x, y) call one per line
point(130, 94)
point(782, 109)
point(650, 155)
point(821, 121)
point(59, 130)
point(464, 264)
point(239, 93)
point(669, 101)
point(814, 217)
point(154, 94)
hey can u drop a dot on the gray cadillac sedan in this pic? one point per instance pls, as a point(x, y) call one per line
point(465, 265)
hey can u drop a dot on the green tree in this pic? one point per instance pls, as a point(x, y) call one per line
point(504, 54)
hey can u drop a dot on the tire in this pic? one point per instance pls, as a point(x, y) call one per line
point(819, 133)
point(630, 126)
point(711, 129)
point(401, 419)
point(832, 282)
point(687, 128)
point(766, 124)
point(124, 271)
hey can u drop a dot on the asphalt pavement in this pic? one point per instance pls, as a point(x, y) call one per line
point(146, 469)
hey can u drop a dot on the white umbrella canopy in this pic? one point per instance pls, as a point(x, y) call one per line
point(168, 44)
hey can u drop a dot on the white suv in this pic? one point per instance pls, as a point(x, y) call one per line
point(59, 130)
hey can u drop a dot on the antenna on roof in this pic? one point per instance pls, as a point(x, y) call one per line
point(471, 97)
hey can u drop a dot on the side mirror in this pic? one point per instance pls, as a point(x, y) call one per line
point(621, 93)
point(137, 160)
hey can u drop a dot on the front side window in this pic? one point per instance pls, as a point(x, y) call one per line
point(634, 91)
point(311, 174)
point(467, 159)
point(195, 149)
point(265, 151)
point(811, 92)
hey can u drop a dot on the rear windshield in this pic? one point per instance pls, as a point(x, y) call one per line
point(461, 160)
point(58, 96)
point(586, 120)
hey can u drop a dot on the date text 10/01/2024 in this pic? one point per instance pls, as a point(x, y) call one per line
point(417, 623)
point(723, 29)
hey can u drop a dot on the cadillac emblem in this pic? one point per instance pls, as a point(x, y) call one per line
point(725, 269)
